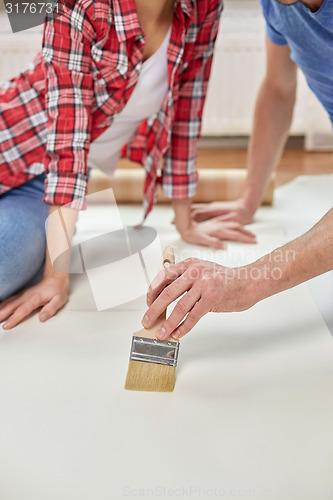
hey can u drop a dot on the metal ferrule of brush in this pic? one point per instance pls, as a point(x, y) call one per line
point(156, 351)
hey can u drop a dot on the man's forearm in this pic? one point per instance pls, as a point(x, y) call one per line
point(211, 287)
point(272, 119)
point(294, 263)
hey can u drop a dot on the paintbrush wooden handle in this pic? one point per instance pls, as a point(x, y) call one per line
point(167, 260)
point(168, 257)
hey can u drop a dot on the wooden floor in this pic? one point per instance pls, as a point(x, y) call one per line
point(294, 162)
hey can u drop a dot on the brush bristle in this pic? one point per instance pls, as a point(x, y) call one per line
point(142, 376)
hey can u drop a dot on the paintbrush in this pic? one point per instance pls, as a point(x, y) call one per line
point(152, 365)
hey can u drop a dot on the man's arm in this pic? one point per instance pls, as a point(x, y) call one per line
point(209, 287)
point(272, 120)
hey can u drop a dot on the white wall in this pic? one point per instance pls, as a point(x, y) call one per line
point(238, 68)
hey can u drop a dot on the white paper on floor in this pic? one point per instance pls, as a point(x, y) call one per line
point(251, 414)
point(2, 331)
point(299, 205)
point(91, 293)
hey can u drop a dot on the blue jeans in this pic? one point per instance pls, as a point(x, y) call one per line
point(22, 236)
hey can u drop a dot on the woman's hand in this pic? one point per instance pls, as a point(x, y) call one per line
point(236, 211)
point(203, 287)
point(50, 294)
point(210, 233)
point(214, 232)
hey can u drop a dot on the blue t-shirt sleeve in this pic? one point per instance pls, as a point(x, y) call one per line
point(274, 35)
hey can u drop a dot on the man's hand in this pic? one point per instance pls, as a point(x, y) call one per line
point(214, 233)
point(50, 294)
point(208, 287)
point(236, 211)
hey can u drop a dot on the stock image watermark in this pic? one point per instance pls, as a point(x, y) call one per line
point(24, 15)
point(269, 268)
point(198, 491)
point(244, 255)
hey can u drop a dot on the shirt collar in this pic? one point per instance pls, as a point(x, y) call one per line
point(126, 20)
point(186, 5)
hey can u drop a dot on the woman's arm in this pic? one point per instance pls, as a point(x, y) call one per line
point(179, 175)
point(52, 291)
point(179, 178)
point(66, 50)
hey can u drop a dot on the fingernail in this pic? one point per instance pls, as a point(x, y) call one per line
point(43, 317)
point(7, 325)
point(176, 334)
point(145, 320)
point(161, 333)
point(148, 301)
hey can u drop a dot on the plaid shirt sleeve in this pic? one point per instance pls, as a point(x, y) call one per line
point(66, 51)
point(179, 179)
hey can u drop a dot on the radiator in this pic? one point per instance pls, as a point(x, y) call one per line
point(237, 72)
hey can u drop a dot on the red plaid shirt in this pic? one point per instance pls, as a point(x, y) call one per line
point(89, 65)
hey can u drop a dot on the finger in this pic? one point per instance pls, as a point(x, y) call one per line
point(201, 215)
point(229, 216)
point(242, 229)
point(200, 207)
point(242, 238)
point(166, 297)
point(10, 299)
point(23, 311)
point(165, 277)
point(197, 206)
point(236, 235)
point(212, 241)
point(52, 307)
point(196, 313)
point(4, 302)
point(207, 240)
point(237, 226)
point(9, 307)
point(182, 308)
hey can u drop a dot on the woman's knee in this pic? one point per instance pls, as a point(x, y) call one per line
point(22, 246)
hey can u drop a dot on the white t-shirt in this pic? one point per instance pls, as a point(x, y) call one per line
point(146, 99)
